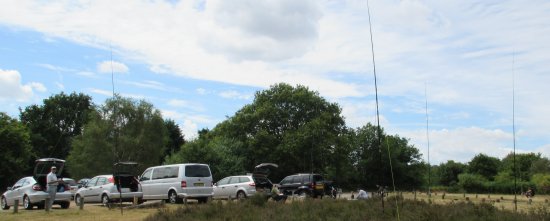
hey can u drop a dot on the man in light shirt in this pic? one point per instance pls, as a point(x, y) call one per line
point(52, 183)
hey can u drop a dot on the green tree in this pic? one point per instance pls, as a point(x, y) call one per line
point(175, 138)
point(218, 152)
point(120, 130)
point(449, 171)
point(56, 122)
point(541, 165)
point(372, 166)
point(484, 165)
point(542, 181)
point(524, 162)
point(473, 183)
point(286, 124)
point(15, 147)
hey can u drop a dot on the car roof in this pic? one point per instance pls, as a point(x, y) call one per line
point(179, 164)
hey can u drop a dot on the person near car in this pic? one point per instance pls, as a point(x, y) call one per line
point(276, 194)
point(52, 183)
point(362, 195)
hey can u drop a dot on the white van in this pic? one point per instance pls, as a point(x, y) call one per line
point(176, 182)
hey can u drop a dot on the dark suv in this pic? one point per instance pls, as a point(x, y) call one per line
point(306, 184)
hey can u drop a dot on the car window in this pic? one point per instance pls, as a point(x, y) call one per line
point(224, 181)
point(101, 181)
point(146, 175)
point(197, 171)
point(307, 178)
point(71, 182)
point(235, 180)
point(244, 179)
point(158, 173)
point(317, 178)
point(172, 172)
point(19, 183)
point(297, 179)
point(92, 182)
point(286, 180)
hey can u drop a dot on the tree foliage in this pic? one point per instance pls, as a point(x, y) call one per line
point(120, 130)
point(484, 165)
point(56, 122)
point(15, 147)
point(175, 138)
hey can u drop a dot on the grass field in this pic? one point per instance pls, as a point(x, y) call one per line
point(451, 207)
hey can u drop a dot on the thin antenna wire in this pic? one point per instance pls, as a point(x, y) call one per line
point(378, 117)
point(428, 139)
point(514, 128)
point(112, 71)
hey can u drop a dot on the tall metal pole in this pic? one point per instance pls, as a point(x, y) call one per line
point(428, 139)
point(514, 129)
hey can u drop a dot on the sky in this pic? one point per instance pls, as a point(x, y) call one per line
point(461, 74)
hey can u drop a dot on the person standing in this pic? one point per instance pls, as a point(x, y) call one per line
point(52, 183)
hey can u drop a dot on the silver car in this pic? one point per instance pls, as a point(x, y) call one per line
point(241, 187)
point(104, 189)
point(31, 190)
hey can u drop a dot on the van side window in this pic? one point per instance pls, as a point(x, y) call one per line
point(172, 172)
point(146, 175)
point(297, 179)
point(197, 171)
point(159, 173)
point(307, 178)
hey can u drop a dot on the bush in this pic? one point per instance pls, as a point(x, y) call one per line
point(328, 209)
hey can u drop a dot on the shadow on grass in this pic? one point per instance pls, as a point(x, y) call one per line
point(328, 209)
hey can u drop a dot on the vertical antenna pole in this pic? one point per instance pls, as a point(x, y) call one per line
point(428, 139)
point(514, 129)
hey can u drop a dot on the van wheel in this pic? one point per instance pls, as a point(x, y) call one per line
point(27, 203)
point(5, 204)
point(173, 197)
point(105, 200)
point(241, 195)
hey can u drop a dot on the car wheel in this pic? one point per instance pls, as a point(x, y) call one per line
point(173, 197)
point(27, 203)
point(4, 204)
point(105, 200)
point(65, 205)
point(241, 195)
point(77, 200)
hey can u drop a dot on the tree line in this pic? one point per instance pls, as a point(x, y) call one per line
point(291, 126)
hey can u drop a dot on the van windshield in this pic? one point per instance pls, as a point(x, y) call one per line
point(197, 171)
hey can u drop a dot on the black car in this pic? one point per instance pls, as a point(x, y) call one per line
point(306, 184)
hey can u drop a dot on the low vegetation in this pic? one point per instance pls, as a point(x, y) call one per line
point(328, 209)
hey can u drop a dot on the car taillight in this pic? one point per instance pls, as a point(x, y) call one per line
point(111, 180)
point(36, 187)
point(183, 184)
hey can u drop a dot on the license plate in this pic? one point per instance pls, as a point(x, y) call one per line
point(319, 187)
point(199, 184)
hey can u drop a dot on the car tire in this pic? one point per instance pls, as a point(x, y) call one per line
point(241, 195)
point(27, 203)
point(77, 199)
point(65, 205)
point(105, 201)
point(5, 204)
point(173, 197)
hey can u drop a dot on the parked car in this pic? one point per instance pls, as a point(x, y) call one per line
point(306, 184)
point(82, 182)
point(73, 186)
point(31, 190)
point(104, 189)
point(244, 186)
point(176, 182)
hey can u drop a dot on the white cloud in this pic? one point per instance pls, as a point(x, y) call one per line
point(201, 91)
point(461, 144)
point(177, 103)
point(233, 94)
point(86, 74)
point(112, 66)
point(189, 127)
point(12, 89)
point(56, 68)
